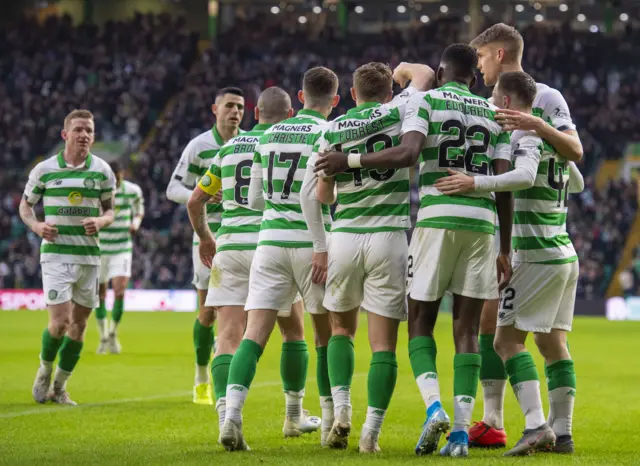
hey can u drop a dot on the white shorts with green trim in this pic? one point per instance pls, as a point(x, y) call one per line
point(540, 297)
point(201, 272)
point(115, 265)
point(278, 274)
point(368, 270)
point(459, 261)
point(70, 282)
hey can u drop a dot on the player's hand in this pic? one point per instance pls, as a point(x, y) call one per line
point(330, 163)
point(207, 249)
point(45, 230)
point(133, 230)
point(92, 225)
point(319, 263)
point(505, 271)
point(456, 183)
point(510, 120)
point(402, 74)
point(217, 199)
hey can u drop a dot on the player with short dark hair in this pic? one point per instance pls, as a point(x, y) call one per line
point(193, 164)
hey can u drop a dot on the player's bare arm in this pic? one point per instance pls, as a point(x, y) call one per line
point(43, 229)
point(139, 216)
point(422, 77)
point(325, 190)
point(93, 225)
point(197, 215)
point(504, 207)
point(566, 143)
point(402, 156)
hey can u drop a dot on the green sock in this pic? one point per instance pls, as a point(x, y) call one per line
point(101, 310)
point(341, 360)
point(50, 346)
point(244, 363)
point(294, 362)
point(562, 393)
point(69, 354)
point(422, 355)
point(203, 343)
point(523, 377)
point(118, 309)
point(383, 373)
point(492, 367)
point(322, 372)
point(220, 374)
point(466, 373)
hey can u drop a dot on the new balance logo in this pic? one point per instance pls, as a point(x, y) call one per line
point(344, 389)
point(57, 182)
point(430, 375)
point(572, 393)
point(237, 388)
point(501, 315)
point(378, 412)
point(466, 399)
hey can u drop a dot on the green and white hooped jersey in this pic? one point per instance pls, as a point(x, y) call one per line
point(70, 195)
point(194, 162)
point(128, 202)
point(540, 212)
point(370, 200)
point(282, 155)
point(462, 134)
point(231, 170)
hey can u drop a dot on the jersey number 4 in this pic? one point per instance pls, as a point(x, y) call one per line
point(283, 157)
point(373, 144)
point(464, 161)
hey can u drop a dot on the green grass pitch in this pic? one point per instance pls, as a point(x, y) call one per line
point(136, 408)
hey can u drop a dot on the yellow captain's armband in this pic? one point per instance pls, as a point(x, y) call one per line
point(210, 183)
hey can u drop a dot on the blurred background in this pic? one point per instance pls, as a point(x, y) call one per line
point(148, 70)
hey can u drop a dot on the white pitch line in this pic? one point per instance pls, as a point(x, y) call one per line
point(121, 401)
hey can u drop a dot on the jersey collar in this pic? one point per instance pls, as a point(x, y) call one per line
point(306, 111)
point(217, 136)
point(63, 164)
point(455, 85)
point(262, 126)
point(366, 105)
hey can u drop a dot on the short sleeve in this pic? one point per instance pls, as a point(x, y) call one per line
point(502, 150)
point(34, 189)
point(556, 111)
point(403, 98)
point(108, 185)
point(417, 114)
point(528, 146)
point(187, 169)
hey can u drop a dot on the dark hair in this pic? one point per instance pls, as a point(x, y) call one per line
point(373, 82)
point(319, 85)
point(229, 90)
point(461, 59)
point(518, 84)
point(116, 166)
point(507, 36)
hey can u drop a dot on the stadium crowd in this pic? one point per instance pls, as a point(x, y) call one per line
point(596, 77)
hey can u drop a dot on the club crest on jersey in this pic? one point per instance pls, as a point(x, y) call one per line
point(75, 198)
point(89, 183)
point(206, 181)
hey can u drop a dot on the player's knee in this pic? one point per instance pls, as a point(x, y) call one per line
point(207, 316)
point(550, 346)
point(58, 327)
point(502, 347)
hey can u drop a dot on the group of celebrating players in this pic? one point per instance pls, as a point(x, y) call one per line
point(266, 195)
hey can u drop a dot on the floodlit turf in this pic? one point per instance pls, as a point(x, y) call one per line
point(136, 408)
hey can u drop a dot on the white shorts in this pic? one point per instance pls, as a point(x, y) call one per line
point(115, 265)
point(368, 270)
point(70, 282)
point(540, 297)
point(278, 274)
point(201, 272)
point(459, 261)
